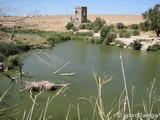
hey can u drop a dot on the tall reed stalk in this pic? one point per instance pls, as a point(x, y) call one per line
point(125, 86)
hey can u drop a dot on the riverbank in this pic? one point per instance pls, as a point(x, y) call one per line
point(146, 41)
point(26, 39)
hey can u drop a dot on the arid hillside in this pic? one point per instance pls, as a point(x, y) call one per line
point(57, 23)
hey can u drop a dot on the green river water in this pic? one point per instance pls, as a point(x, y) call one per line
point(140, 68)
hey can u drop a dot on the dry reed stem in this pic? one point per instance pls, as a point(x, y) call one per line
point(6, 91)
point(67, 116)
point(61, 67)
point(29, 117)
point(125, 84)
point(79, 117)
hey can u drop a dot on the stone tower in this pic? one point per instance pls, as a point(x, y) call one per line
point(80, 15)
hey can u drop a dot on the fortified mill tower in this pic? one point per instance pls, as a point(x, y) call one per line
point(80, 15)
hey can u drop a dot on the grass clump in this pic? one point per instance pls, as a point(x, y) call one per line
point(155, 47)
point(90, 34)
point(12, 48)
point(58, 38)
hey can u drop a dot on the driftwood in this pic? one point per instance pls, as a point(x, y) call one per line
point(42, 85)
point(67, 74)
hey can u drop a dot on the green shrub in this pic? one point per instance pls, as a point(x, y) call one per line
point(136, 45)
point(111, 37)
point(88, 26)
point(96, 29)
point(81, 38)
point(21, 46)
point(119, 43)
point(57, 38)
point(84, 34)
point(91, 40)
point(155, 47)
point(120, 25)
point(134, 26)
point(69, 25)
point(97, 40)
point(123, 33)
point(13, 60)
point(136, 33)
point(2, 57)
point(82, 26)
point(7, 48)
point(98, 22)
point(6, 29)
point(74, 28)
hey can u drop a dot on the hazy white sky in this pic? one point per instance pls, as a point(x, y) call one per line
point(54, 7)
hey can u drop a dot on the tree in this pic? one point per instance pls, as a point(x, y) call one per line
point(104, 31)
point(144, 26)
point(153, 18)
point(98, 22)
point(107, 34)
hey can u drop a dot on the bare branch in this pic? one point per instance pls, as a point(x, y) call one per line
point(61, 67)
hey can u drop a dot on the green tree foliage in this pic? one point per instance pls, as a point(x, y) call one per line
point(144, 26)
point(153, 18)
point(69, 25)
point(136, 45)
point(98, 22)
point(107, 34)
point(123, 33)
point(104, 31)
point(120, 25)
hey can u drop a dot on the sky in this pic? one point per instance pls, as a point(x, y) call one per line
point(62, 7)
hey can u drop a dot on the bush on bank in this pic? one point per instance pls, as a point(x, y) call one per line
point(155, 47)
point(12, 48)
point(12, 60)
point(135, 45)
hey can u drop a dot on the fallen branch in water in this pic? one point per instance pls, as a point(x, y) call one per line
point(42, 85)
point(61, 67)
point(67, 74)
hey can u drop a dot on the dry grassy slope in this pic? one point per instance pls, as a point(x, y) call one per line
point(57, 23)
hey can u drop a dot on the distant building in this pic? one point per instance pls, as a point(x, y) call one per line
point(80, 15)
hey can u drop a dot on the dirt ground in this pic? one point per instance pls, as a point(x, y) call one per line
point(57, 23)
